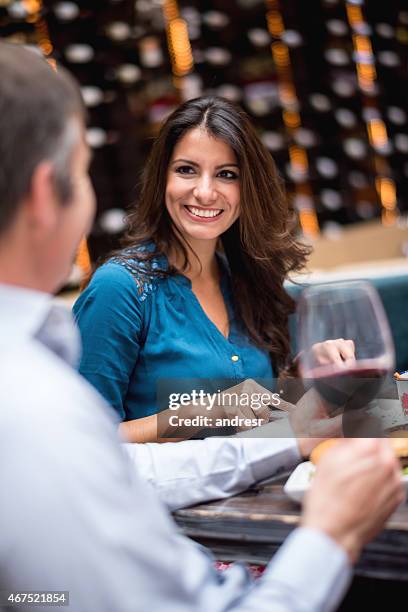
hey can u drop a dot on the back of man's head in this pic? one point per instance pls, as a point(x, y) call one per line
point(37, 105)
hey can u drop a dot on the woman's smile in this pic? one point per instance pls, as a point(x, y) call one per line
point(203, 215)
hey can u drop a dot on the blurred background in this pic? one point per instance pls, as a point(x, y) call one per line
point(323, 80)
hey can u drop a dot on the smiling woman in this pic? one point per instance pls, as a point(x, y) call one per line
point(197, 290)
point(203, 189)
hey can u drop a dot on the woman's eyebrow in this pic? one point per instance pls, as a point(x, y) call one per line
point(192, 163)
point(227, 164)
point(185, 161)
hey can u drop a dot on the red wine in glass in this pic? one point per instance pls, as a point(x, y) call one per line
point(348, 388)
point(344, 311)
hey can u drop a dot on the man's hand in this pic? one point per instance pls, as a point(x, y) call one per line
point(356, 487)
point(311, 423)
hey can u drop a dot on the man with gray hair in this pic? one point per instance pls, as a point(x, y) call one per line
point(75, 515)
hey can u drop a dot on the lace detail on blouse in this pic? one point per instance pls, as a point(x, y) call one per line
point(141, 271)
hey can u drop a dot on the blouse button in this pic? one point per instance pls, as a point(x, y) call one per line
point(235, 358)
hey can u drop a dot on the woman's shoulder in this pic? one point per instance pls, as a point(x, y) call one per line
point(134, 267)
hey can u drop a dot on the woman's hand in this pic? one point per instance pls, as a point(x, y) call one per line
point(332, 352)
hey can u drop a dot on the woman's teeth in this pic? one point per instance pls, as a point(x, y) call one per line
point(203, 213)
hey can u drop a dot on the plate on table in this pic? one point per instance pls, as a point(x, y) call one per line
point(300, 479)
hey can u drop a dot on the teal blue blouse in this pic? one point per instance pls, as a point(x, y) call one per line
point(141, 334)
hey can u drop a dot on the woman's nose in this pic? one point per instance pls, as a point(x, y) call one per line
point(204, 191)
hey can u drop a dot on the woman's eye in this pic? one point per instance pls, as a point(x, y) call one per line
point(184, 170)
point(228, 174)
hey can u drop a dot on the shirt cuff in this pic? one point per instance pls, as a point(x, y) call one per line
point(313, 568)
point(270, 456)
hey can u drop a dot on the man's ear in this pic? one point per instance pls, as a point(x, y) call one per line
point(42, 204)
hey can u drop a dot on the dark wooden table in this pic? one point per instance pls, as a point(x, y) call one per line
point(250, 527)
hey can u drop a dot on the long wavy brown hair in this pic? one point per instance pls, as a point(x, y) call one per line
point(260, 246)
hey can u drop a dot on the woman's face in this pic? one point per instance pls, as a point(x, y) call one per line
point(203, 186)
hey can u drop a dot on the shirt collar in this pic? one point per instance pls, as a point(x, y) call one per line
point(26, 314)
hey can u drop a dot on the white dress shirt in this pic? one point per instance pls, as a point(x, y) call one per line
point(76, 515)
point(195, 471)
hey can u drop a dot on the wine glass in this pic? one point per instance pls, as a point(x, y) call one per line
point(349, 311)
